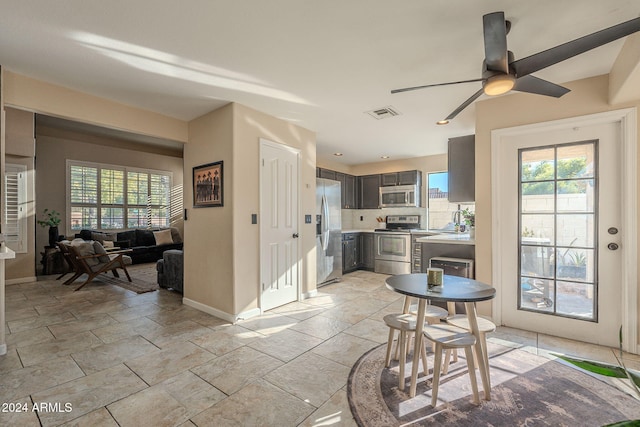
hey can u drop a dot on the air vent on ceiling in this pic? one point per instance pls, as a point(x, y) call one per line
point(383, 113)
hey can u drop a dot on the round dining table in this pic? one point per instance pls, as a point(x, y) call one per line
point(453, 289)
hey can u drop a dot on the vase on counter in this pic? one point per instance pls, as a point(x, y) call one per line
point(472, 232)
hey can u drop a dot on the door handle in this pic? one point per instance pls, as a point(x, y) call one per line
point(295, 235)
point(613, 246)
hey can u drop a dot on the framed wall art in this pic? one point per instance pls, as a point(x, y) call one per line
point(207, 185)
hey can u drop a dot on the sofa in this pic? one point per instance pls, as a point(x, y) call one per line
point(171, 270)
point(147, 245)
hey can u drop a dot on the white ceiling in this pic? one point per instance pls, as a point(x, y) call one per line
point(318, 64)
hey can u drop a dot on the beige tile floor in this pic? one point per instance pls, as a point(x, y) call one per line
point(118, 358)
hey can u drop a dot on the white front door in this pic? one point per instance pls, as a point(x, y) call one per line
point(279, 257)
point(560, 230)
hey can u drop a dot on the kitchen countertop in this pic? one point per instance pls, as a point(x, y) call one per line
point(368, 230)
point(452, 238)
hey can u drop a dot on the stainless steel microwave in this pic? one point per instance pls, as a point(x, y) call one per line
point(399, 196)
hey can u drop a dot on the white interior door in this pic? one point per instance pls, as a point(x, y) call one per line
point(560, 232)
point(279, 260)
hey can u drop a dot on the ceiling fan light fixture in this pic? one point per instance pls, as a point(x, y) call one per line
point(442, 122)
point(499, 84)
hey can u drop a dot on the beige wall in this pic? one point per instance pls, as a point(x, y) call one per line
point(588, 96)
point(249, 126)
point(222, 254)
point(52, 152)
point(37, 96)
point(209, 239)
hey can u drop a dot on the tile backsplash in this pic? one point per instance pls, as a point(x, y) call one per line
point(351, 217)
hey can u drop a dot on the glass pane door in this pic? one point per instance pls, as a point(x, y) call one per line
point(557, 224)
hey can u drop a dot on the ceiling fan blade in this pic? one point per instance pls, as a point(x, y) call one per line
point(538, 86)
point(538, 61)
point(465, 104)
point(495, 42)
point(407, 89)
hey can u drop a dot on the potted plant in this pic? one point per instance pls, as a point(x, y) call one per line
point(470, 221)
point(51, 220)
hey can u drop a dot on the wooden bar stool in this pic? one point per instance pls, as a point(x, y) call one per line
point(448, 337)
point(405, 324)
point(485, 326)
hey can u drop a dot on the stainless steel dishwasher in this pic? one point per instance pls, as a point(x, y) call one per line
point(454, 267)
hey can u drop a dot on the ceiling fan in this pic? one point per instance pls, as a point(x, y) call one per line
point(501, 73)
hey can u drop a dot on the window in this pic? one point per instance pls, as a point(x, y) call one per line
point(115, 197)
point(439, 210)
point(15, 210)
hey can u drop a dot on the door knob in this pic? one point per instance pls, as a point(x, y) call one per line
point(296, 235)
point(613, 246)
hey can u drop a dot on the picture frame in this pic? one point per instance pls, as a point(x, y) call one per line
point(208, 188)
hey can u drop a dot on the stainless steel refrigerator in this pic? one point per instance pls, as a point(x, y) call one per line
point(328, 231)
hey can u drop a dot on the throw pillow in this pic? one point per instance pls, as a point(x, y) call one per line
point(108, 244)
point(99, 249)
point(163, 237)
point(175, 235)
point(85, 249)
point(98, 237)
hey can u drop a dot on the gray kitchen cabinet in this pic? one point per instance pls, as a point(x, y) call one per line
point(349, 252)
point(367, 255)
point(410, 177)
point(328, 174)
point(389, 179)
point(368, 191)
point(413, 177)
point(462, 169)
point(348, 183)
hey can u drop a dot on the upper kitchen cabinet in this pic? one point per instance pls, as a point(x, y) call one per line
point(402, 178)
point(368, 191)
point(348, 183)
point(326, 173)
point(462, 169)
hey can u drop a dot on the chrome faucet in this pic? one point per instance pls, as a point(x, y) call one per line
point(456, 218)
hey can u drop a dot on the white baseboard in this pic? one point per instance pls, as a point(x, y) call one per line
point(231, 318)
point(309, 294)
point(20, 280)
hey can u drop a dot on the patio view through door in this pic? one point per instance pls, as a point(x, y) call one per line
point(561, 228)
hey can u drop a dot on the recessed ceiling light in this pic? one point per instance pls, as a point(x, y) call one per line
point(442, 122)
point(384, 157)
point(338, 154)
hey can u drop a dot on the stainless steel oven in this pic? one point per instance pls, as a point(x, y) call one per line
point(392, 252)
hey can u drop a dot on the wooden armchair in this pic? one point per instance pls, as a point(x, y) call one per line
point(94, 264)
point(71, 262)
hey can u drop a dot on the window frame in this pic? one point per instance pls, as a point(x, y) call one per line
point(19, 244)
point(125, 206)
point(459, 206)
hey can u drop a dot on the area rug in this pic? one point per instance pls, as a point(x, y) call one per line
point(527, 390)
point(136, 285)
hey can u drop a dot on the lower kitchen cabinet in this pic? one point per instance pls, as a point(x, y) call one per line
point(350, 252)
point(367, 255)
point(357, 252)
